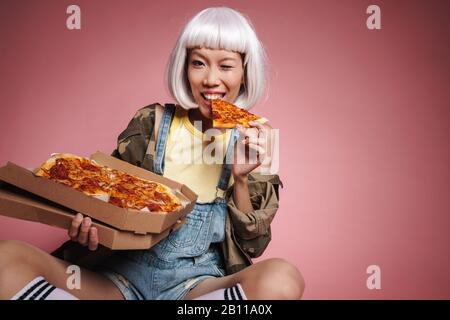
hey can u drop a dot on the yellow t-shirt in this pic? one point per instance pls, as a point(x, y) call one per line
point(195, 158)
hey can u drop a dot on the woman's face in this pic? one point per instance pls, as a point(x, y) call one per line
point(214, 74)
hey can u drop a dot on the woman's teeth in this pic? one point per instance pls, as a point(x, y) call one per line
point(212, 96)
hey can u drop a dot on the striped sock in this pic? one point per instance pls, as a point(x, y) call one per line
point(234, 293)
point(40, 289)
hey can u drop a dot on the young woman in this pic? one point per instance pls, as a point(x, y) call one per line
point(218, 55)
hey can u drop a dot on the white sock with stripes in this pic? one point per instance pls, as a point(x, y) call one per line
point(234, 293)
point(40, 289)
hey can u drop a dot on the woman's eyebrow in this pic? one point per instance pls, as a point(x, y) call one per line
point(228, 58)
point(206, 58)
point(199, 54)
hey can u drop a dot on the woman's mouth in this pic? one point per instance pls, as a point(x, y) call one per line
point(208, 97)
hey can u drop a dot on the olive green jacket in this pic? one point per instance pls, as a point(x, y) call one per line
point(246, 234)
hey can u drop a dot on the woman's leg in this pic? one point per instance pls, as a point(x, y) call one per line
point(269, 279)
point(20, 263)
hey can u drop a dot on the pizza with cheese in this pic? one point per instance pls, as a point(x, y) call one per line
point(116, 187)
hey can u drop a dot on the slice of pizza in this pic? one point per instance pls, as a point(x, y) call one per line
point(76, 172)
point(227, 115)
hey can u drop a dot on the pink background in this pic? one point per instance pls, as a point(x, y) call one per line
point(363, 117)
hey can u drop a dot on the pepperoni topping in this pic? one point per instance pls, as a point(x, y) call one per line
point(90, 185)
point(124, 190)
point(92, 182)
point(161, 197)
point(89, 167)
point(153, 206)
point(116, 201)
point(151, 185)
point(129, 179)
point(59, 171)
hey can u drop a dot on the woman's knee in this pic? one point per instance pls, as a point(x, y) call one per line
point(15, 253)
point(279, 279)
point(18, 265)
point(10, 250)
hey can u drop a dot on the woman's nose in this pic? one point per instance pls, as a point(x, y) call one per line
point(211, 78)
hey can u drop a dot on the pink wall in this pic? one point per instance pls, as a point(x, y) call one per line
point(363, 117)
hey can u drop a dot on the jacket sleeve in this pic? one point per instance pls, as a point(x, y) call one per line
point(133, 141)
point(252, 229)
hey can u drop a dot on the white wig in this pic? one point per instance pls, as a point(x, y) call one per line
point(219, 28)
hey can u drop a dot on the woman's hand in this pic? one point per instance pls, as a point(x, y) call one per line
point(249, 150)
point(81, 231)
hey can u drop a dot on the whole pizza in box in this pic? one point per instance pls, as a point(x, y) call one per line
point(111, 185)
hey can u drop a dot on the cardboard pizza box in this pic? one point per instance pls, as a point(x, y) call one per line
point(23, 205)
point(139, 222)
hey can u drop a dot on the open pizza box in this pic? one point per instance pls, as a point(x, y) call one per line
point(53, 203)
point(17, 203)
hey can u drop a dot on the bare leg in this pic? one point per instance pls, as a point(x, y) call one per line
point(20, 263)
point(269, 279)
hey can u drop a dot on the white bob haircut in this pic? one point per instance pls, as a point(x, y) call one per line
point(225, 29)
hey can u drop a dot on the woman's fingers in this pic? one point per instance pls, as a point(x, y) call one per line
point(241, 130)
point(259, 141)
point(74, 227)
point(256, 153)
point(259, 149)
point(257, 125)
point(248, 133)
point(249, 152)
point(84, 231)
point(93, 239)
point(256, 129)
point(262, 130)
point(81, 231)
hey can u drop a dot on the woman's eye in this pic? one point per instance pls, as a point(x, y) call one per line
point(197, 63)
point(226, 67)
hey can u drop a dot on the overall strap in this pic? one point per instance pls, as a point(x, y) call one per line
point(161, 137)
point(150, 156)
point(225, 175)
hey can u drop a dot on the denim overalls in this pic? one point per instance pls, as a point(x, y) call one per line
point(186, 257)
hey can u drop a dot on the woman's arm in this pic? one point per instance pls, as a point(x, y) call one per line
point(241, 194)
point(253, 152)
point(251, 230)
